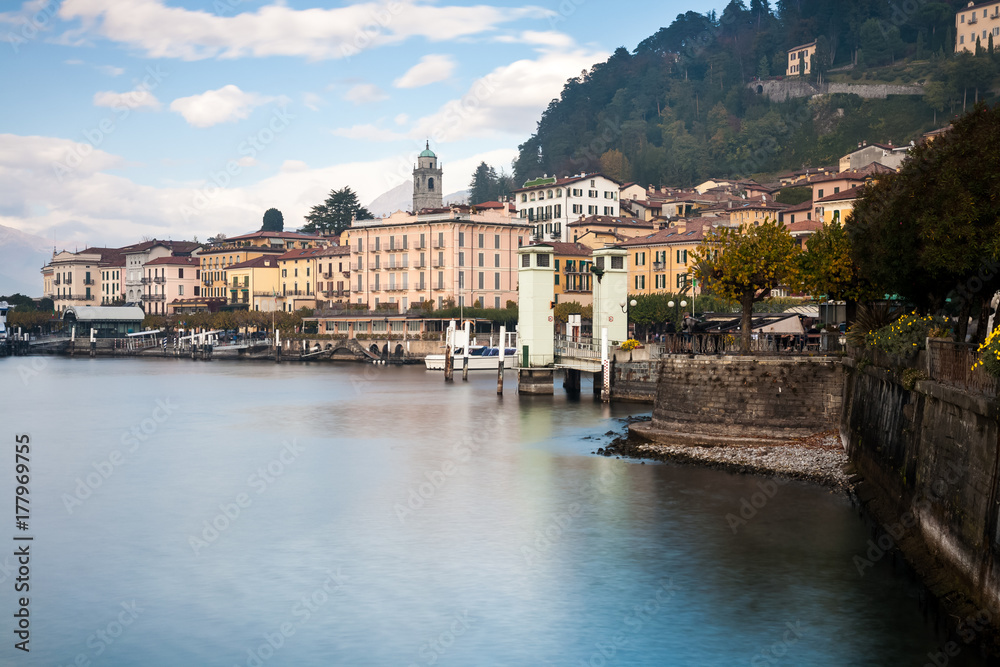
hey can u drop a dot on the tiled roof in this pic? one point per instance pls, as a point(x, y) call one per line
point(173, 259)
point(301, 253)
point(256, 262)
point(559, 182)
point(804, 226)
point(846, 195)
point(606, 221)
point(573, 249)
point(275, 235)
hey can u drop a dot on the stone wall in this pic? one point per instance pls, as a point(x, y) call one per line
point(929, 461)
point(730, 399)
point(786, 89)
point(634, 381)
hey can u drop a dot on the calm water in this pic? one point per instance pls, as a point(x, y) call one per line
point(385, 518)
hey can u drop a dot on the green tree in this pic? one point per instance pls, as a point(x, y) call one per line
point(933, 229)
point(273, 221)
point(483, 184)
point(616, 165)
point(746, 264)
point(336, 213)
point(820, 59)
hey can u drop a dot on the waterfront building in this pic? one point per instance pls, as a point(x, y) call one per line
point(449, 255)
point(255, 284)
point(299, 278)
point(975, 24)
point(113, 281)
point(167, 279)
point(225, 252)
point(139, 254)
point(333, 275)
point(72, 278)
point(106, 321)
point(663, 262)
point(549, 204)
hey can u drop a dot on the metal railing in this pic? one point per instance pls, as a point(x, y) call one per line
point(159, 280)
point(951, 363)
point(581, 347)
point(88, 281)
point(730, 343)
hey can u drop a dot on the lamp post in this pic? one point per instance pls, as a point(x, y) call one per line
point(631, 304)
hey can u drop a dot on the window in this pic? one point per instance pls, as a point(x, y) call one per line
point(296, 272)
point(525, 260)
point(619, 262)
point(461, 280)
point(359, 245)
point(524, 198)
point(682, 256)
point(180, 290)
point(496, 281)
point(819, 194)
point(556, 278)
point(496, 302)
point(592, 194)
point(284, 273)
point(180, 273)
point(482, 240)
point(592, 210)
point(578, 208)
point(836, 190)
point(543, 260)
point(640, 282)
point(482, 280)
point(461, 259)
point(482, 258)
point(640, 259)
point(681, 280)
point(609, 210)
point(461, 239)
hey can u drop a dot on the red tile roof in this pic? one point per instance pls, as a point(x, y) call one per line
point(572, 249)
point(256, 262)
point(173, 259)
point(608, 221)
point(846, 195)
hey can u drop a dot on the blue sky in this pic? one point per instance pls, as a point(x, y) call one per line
point(176, 118)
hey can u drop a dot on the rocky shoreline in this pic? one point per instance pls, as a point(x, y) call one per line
point(818, 458)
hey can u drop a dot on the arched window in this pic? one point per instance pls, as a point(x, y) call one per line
point(430, 184)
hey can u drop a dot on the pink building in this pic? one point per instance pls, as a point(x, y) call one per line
point(168, 279)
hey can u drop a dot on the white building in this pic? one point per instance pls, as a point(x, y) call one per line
point(138, 255)
point(549, 204)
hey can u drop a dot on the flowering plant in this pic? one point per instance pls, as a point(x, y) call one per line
point(989, 354)
point(630, 344)
point(907, 334)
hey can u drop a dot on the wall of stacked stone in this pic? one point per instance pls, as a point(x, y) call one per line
point(767, 397)
point(929, 459)
point(634, 381)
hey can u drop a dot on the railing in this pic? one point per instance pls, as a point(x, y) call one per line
point(973, 19)
point(88, 281)
point(729, 343)
point(155, 297)
point(159, 280)
point(296, 293)
point(57, 281)
point(581, 347)
point(272, 294)
point(356, 267)
point(951, 364)
point(327, 276)
point(659, 266)
point(145, 281)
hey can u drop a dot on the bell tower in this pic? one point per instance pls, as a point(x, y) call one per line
point(427, 191)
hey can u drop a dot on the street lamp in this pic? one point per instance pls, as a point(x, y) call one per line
point(633, 303)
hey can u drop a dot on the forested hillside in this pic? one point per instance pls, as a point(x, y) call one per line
point(678, 110)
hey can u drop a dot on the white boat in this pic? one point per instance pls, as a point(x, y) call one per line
point(481, 358)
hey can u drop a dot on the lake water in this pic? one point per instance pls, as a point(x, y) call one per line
point(225, 513)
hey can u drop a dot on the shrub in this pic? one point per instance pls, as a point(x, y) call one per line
point(630, 345)
point(989, 354)
point(907, 335)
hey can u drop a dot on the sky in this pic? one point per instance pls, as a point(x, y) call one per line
point(127, 119)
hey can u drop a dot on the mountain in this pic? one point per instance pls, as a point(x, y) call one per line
point(21, 259)
point(686, 105)
point(400, 198)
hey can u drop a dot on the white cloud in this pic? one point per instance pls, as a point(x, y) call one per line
point(368, 132)
point(401, 119)
point(431, 69)
point(365, 93)
point(134, 99)
point(509, 99)
point(160, 31)
point(225, 105)
point(111, 70)
point(73, 61)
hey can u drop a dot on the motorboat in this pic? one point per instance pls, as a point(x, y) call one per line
point(481, 358)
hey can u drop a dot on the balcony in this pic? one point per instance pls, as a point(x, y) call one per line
point(159, 280)
point(375, 248)
point(420, 265)
point(357, 267)
point(154, 297)
point(420, 246)
point(659, 266)
point(88, 281)
point(327, 276)
point(438, 264)
point(438, 245)
point(376, 267)
point(145, 281)
point(57, 281)
point(270, 294)
point(973, 20)
point(399, 265)
point(295, 293)
point(421, 287)
point(439, 287)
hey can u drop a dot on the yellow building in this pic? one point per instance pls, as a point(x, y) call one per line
point(837, 206)
point(217, 258)
point(800, 59)
point(299, 273)
point(573, 279)
point(255, 283)
point(754, 212)
point(600, 230)
point(977, 21)
point(664, 261)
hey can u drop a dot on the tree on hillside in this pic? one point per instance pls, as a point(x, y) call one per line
point(273, 221)
point(488, 185)
point(335, 214)
point(933, 229)
point(616, 165)
point(745, 264)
